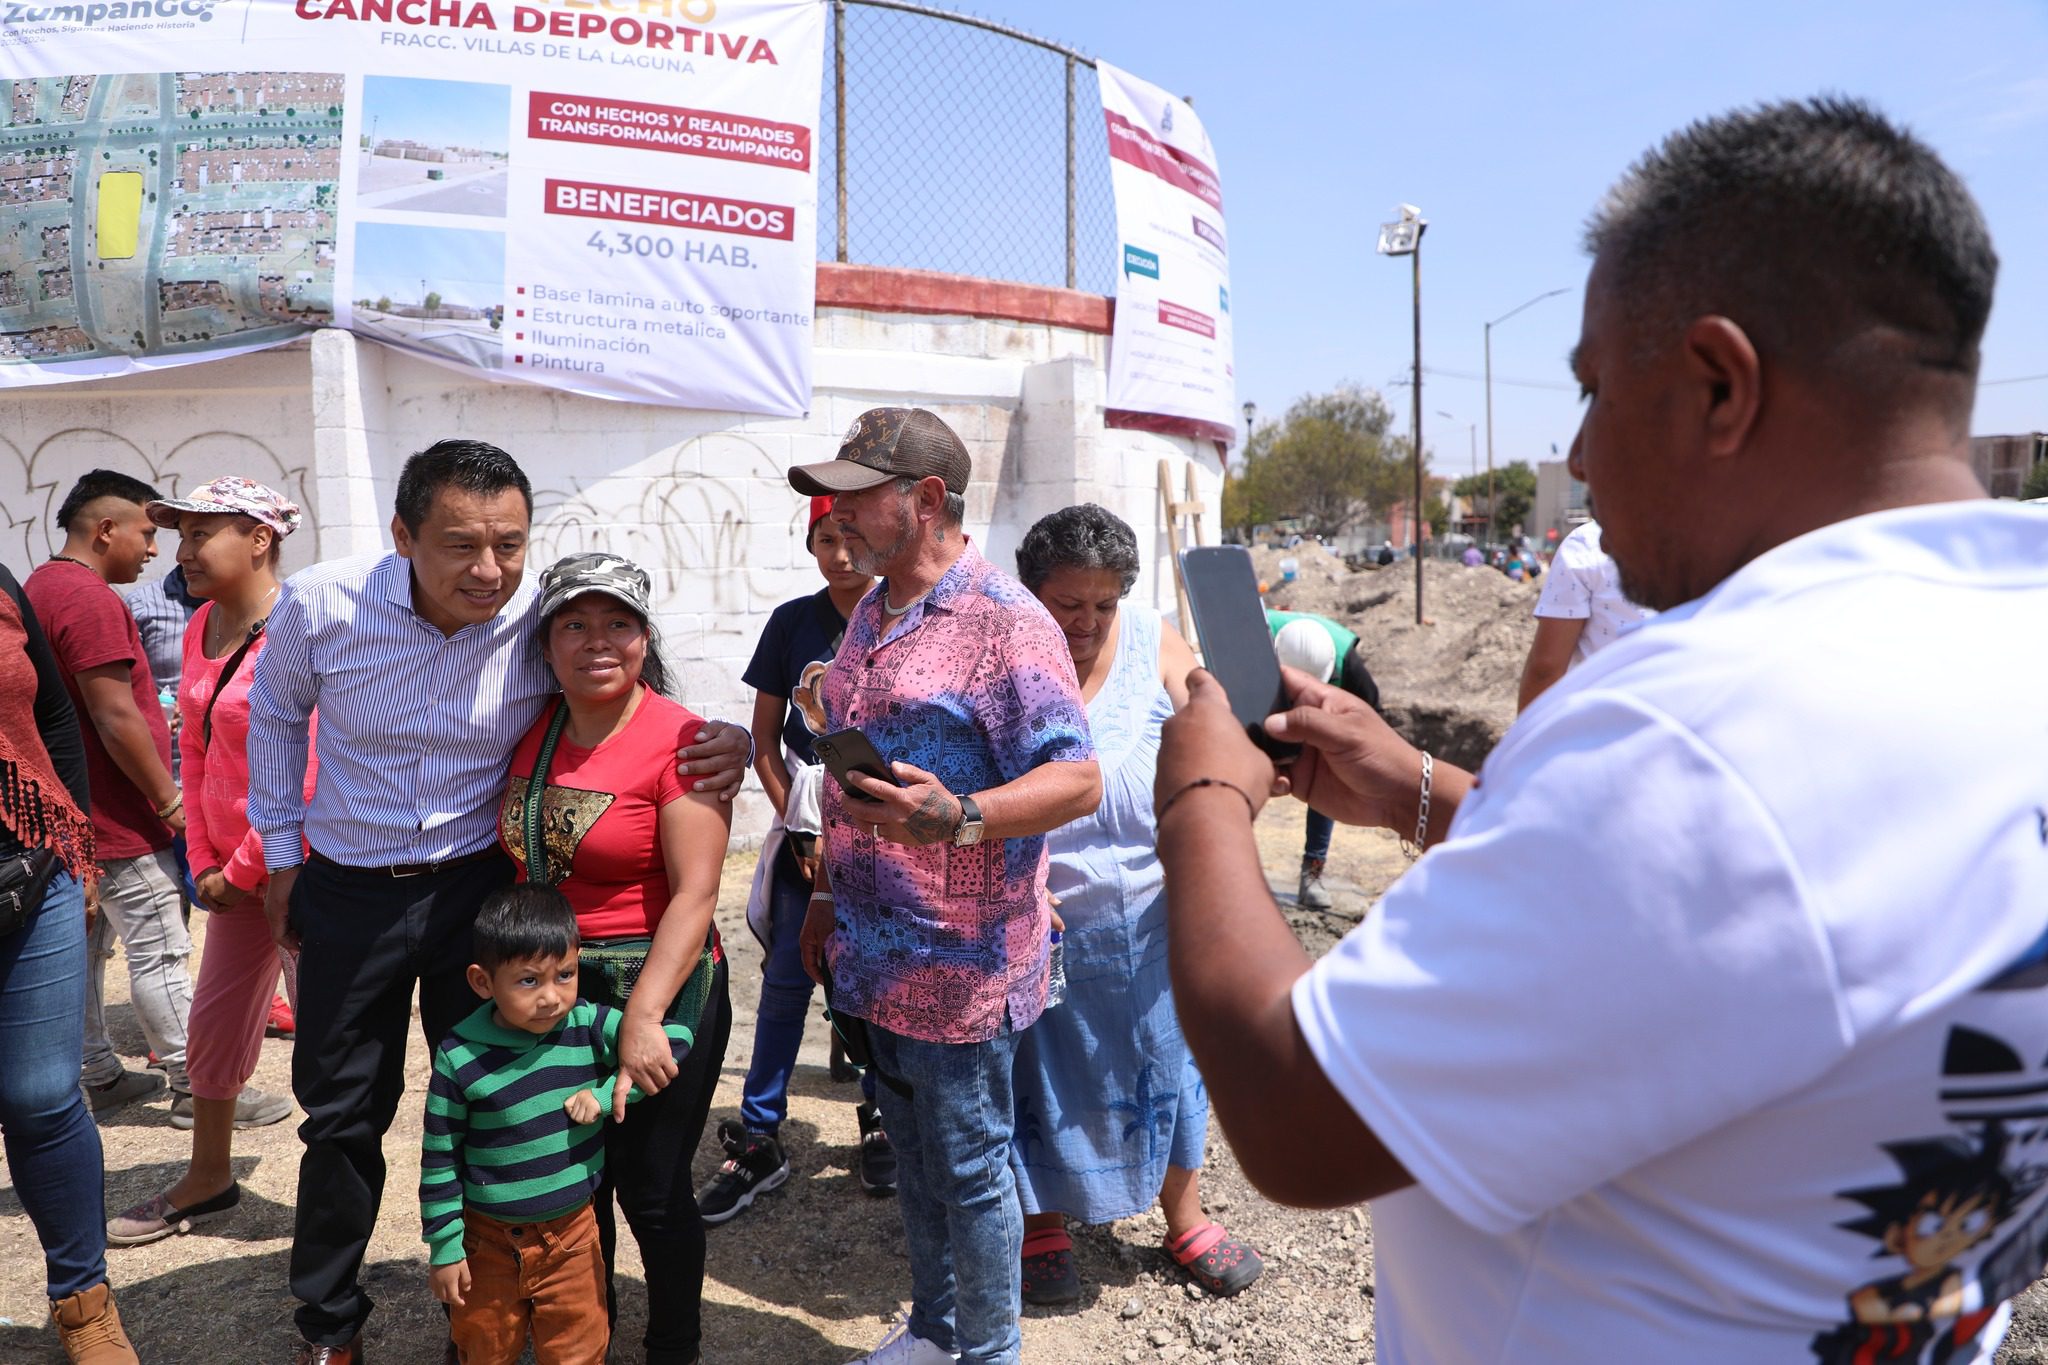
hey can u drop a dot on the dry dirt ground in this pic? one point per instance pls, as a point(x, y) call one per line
point(814, 1272)
point(811, 1275)
point(1448, 684)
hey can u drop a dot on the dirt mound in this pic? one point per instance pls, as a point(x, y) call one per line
point(1448, 685)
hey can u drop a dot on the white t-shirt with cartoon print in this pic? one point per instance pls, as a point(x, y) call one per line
point(1717, 1030)
point(1583, 584)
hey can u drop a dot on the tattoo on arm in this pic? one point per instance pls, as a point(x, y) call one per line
point(936, 818)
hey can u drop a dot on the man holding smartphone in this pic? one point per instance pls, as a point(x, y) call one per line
point(1759, 1079)
point(930, 910)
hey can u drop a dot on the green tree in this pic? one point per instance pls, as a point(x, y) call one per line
point(2036, 485)
point(433, 301)
point(383, 303)
point(1325, 463)
point(1513, 484)
point(1237, 513)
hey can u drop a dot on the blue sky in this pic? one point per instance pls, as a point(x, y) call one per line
point(439, 113)
point(1505, 122)
point(462, 266)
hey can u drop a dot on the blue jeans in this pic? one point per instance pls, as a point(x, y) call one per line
point(53, 1149)
point(1317, 844)
point(961, 1219)
point(785, 1001)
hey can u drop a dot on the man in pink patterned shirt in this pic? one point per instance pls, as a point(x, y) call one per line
point(930, 916)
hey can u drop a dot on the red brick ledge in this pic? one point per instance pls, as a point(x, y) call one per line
point(886, 289)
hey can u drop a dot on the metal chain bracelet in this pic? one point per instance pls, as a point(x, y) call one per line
point(1414, 850)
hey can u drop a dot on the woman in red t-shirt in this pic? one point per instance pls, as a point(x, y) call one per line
point(639, 856)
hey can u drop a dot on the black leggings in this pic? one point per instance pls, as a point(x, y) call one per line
point(647, 1167)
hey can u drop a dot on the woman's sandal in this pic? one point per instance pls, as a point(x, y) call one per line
point(1049, 1274)
point(1218, 1262)
point(155, 1219)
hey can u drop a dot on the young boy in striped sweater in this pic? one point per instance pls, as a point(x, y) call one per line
point(514, 1143)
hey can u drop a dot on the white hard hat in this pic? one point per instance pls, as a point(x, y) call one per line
point(1308, 647)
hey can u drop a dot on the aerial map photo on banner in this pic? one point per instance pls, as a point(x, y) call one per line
point(618, 203)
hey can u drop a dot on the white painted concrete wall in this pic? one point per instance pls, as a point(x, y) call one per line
point(699, 498)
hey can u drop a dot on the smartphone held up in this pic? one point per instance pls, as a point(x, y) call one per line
point(1230, 622)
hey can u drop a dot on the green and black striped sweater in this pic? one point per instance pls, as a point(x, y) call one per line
point(497, 1138)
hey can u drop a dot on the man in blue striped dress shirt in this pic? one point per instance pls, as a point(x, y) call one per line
point(425, 671)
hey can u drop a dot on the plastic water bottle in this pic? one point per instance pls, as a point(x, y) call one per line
point(1290, 569)
point(1056, 974)
point(168, 699)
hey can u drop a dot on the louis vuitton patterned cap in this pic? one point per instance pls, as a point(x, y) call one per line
point(885, 444)
point(573, 576)
point(231, 496)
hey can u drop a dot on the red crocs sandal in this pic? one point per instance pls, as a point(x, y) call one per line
point(1218, 1262)
point(1049, 1274)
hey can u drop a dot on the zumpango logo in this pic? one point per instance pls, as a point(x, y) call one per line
point(105, 11)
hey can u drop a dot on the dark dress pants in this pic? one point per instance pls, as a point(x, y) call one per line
point(365, 939)
point(647, 1169)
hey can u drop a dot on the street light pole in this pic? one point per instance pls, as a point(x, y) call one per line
point(1415, 543)
point(1550, 294)
point(1403, 237)
point(1251, 411)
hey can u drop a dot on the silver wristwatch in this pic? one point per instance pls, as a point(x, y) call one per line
point(969, 833)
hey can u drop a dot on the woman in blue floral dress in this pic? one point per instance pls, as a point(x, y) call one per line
point(1111, 1113)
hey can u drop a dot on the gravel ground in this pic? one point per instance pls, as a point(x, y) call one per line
point(811, 1275)
point(1448, 684)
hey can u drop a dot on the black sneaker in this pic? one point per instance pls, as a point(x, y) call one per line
point(754, 1165)
point(877, 1155)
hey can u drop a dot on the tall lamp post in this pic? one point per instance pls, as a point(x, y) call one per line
point(1403, 237)
point(1251, 412)
point(1549, 294)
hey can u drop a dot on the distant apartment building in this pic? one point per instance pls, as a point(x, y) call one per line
point(405, 149)
point(1561, 504)
point(2003, 462)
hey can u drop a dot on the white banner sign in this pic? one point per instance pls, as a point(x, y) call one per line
point(616, 197)
point(1170, 354)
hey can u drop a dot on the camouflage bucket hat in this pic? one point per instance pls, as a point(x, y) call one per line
point(572, 576)
point(234, 496)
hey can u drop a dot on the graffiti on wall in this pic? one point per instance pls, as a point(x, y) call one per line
point(35, 477)
point(688, 526)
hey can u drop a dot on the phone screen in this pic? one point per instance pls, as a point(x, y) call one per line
point(849, 751)
point(1230, 622)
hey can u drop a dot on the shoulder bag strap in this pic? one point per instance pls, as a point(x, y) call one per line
point(536, 788)
point(228, 671)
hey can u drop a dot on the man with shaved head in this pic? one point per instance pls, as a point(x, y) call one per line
point(1713, 1026)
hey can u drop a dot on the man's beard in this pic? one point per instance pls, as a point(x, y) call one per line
point(1645, 594)
point(872, 558)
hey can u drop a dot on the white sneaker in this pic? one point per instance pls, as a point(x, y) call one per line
point(901, 1348)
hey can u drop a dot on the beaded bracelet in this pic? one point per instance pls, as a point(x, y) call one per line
point(1167, 805)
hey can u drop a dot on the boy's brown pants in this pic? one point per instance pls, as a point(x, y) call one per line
point(547, 1278)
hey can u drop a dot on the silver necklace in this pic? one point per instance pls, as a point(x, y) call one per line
point(890, 611)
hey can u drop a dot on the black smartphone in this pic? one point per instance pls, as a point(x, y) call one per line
point(1230, 622)
point(849, 751)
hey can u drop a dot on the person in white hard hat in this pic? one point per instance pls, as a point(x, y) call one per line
point(1328, 653)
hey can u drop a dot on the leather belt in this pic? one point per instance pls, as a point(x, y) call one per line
point(407, 869)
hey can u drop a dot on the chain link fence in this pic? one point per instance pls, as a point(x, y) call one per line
point(952, 143)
